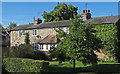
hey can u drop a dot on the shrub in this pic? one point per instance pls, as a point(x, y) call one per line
point(24, 65)
point(38, 55)
point(22, 51)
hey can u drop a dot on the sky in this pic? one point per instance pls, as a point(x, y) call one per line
point(23, 12)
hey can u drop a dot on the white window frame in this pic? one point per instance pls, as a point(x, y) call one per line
point(46, 46)
point(33, 32)
point(35, 45)
point(16, 44)
point(21, 33)
point(41, 47)
point(67, 30)
point(22, 42)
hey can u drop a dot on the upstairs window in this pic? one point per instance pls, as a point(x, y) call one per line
point(67, 30)
point(34, 32)
point(21, 33)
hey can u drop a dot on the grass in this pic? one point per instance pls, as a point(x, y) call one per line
point(106, 67)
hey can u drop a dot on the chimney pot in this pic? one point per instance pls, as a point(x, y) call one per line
point(83, 11)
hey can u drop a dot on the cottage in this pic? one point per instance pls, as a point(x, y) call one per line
point(43, 35)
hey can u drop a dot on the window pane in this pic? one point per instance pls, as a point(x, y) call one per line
point(35, 32)
point(46, 46)
point(32, 32)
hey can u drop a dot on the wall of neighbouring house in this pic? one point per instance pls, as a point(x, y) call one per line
point(14, 35)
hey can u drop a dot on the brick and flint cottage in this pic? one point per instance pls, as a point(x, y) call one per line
point(43, 35)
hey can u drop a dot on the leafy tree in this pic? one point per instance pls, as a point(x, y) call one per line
point(80, 43)
point(117, 50)
point(58, 53)
point(60, 12)
point(12, 25)
point(27, 40)
point(1, 27)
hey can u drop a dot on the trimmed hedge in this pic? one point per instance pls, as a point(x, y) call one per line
point(24, 65)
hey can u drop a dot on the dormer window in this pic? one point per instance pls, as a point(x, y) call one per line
point(34, 32)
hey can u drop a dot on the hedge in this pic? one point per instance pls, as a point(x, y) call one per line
point(24, 65)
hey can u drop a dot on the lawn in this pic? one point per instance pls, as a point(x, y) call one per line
point(107, 67)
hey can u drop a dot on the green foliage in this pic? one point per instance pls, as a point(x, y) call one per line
point(60, 12)
point(107, 33)
point(117, 45)
point(58, 53)
point(1, 27)
point(23, 51)
point(12, 25)
point(24, 65)
point(27, 40)
point(27, 51)
point(38, 55)
point(80, 43)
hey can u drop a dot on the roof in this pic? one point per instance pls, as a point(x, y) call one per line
point(55, 24)
point(66, 23)
point(22, 27)
point(51, 38)
point(103, 20)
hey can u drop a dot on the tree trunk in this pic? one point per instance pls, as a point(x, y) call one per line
point(74, 64)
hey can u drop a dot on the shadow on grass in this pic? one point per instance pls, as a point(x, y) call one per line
point(112, 68)
point(100, 68)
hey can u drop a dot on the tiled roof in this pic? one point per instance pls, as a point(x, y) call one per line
point(22, 27)
point(66, 23)
point(56, 24)
point(51, 38)
point(103, 20)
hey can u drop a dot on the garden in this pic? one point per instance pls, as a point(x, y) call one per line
point(75, 51)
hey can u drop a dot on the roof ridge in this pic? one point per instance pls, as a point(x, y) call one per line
point(105, 16)
point(55, 21)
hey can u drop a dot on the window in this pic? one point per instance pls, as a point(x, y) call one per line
point(21, 33)
point(34, 32)
point(16, 44)
point(67, 30)
point(41, 46)
point(35, 46)
point(46, 46)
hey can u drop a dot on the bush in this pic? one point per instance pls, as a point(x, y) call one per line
point(22, 51)
point(27, 51)
point(38, 55)
point(24, 65)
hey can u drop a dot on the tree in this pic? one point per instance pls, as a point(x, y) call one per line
point(1, 27)
point(60, 12)
point(80, 43)
point(27, 40)
point(117, 50)
point(12, 25)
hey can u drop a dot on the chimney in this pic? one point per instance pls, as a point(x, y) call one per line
point(37, 21)
point(83, 11)
point(86, 14)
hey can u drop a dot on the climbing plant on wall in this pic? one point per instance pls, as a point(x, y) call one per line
point(107, 33)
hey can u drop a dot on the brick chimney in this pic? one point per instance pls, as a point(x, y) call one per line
point(86, 14)
point(37, 21)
